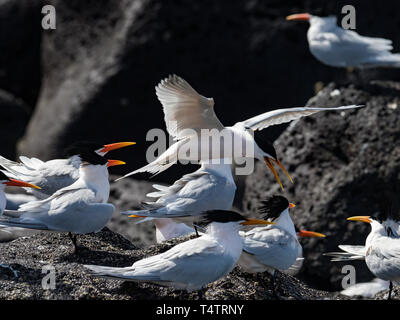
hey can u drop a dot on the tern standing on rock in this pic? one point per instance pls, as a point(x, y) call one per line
point(188, 115)
point(382, 247)
point(337, 47)
point(55, 174)
point(273, 247)
point(77, 209)
point(209, 188)
point(193, 264)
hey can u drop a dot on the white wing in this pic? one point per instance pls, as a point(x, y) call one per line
point(350, 252)
point(193, 194)
point(353, 249)
point(193, 263)
point(273, 247)
point(184, 108)
point(279, 116)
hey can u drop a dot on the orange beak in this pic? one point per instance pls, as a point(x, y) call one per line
point(18, 183)
point(111, 163)
point(365, 219)
point(270, 165)
point(292, 205)
point(299, 17)
point(136, 216)
point(305, 233)
point(250, 221)
point(114, 146)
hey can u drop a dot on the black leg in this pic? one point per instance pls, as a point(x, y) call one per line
point(390, 290)
point(197, 233)
point(73, 239)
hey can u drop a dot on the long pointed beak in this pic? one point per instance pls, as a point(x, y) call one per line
point(365, 219)
point(268, 161)
point(111, 163)
point(284, 170)
point(299, 17)
point(114, 146)
point(251, 221)
point(19, 183)
point(136, 216)
point(305, 233)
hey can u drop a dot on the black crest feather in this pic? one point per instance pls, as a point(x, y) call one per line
point(273, 207)
point(86, 151)
point(222, 216)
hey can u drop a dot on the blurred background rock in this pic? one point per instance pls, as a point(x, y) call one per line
point(93, 78)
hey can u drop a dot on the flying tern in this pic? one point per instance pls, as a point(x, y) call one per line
point(77, 209)
point(273, 247)
point(382, 247)
point(188, 115)
point(192, 264)
point(209, 188)
point(338, 47)
point(55, 174)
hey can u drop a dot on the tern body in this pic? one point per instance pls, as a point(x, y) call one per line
point(79, 208)
point(270, 248)
point(338, 47)
point(191, 120)
point(382, 248)
point(209, 188)
point(192, 264)
point(274, 247)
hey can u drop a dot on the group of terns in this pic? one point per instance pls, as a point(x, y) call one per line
point(71, 194)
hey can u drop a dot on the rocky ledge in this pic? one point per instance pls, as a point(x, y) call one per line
point(24, 259)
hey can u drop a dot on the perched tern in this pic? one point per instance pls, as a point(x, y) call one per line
point(209, 188)
point(273, 247)
point(193, 264)
point(382, 247)
point(55, 174)
point(338, 47)
point(77, 209)
point(188, 115)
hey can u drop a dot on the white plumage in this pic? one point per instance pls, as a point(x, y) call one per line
point(189, 265)
point(187, 112)
point(338, 47)
point(79, 208)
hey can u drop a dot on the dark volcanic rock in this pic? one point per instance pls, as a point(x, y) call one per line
point(343, 164)
point(20, 33)
point(14, 118)
point(102, 62)
point(128, 194)
point(23, 259)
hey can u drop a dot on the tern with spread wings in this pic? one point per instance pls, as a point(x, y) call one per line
point(188, 115)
